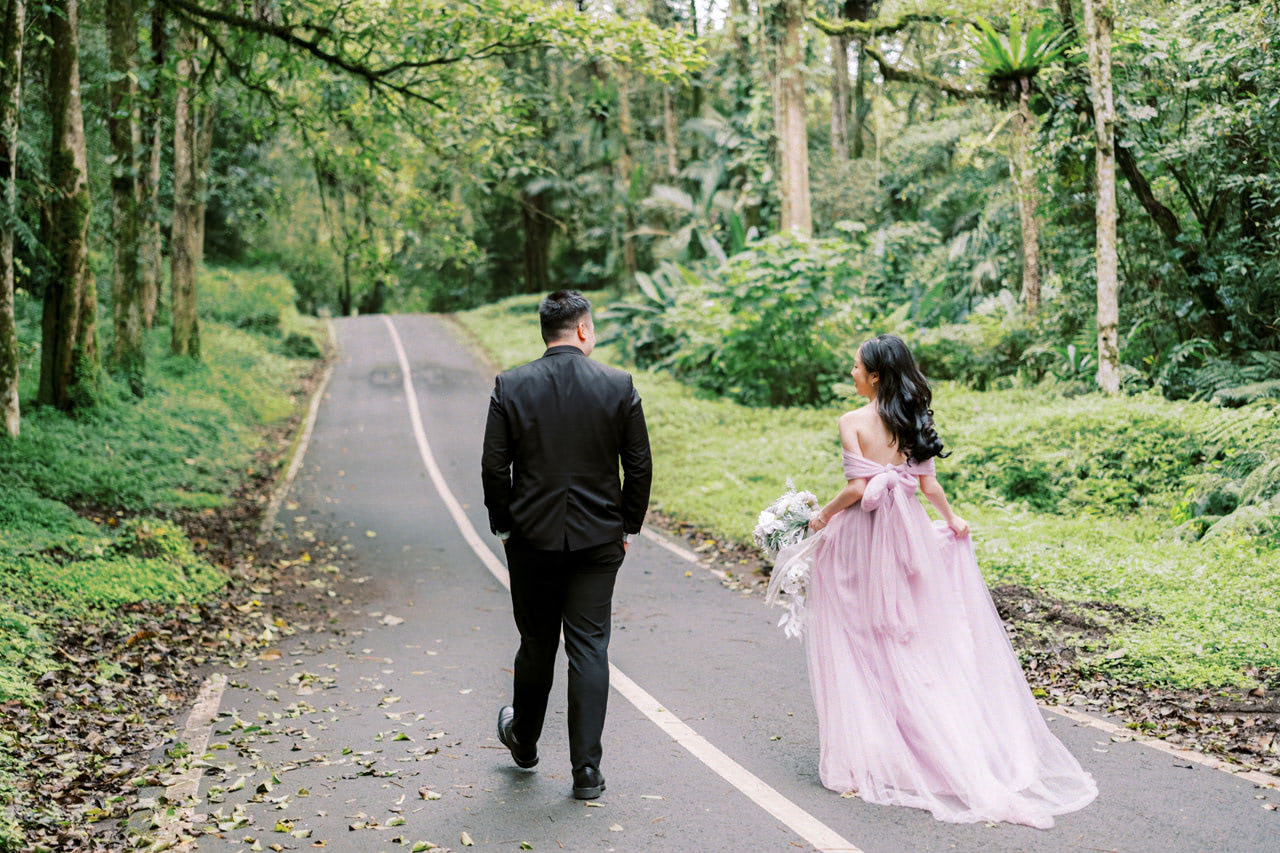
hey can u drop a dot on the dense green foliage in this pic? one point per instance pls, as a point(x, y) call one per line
point(1085, 498)
point(920, 234)
point(131, 464)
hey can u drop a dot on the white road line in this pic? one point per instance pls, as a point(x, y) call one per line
point(795, 818)
point(273, 507)
point(682, 553)
point(185, 786)
point(1257, 777)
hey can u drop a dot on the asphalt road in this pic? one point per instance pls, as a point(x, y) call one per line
point(388, 726)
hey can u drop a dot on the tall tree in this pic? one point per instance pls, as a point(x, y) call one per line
point(627, 177)
point(14, 20)
point(1011, 63)
point(840, 96)
point(1098, 26)
point(69, 349)
point(206, 118)
point(184, 248)
point(662, 16)
point(151, 257)
point(127, 356)
point(793, 134)
point(846, 104)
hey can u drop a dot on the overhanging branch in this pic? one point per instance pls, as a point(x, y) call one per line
point(879, 27)
point(911, 75)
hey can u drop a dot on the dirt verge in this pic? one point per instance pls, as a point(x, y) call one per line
point(1056, 641)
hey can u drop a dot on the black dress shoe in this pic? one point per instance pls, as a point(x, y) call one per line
point(523, 756)
point(587, 783)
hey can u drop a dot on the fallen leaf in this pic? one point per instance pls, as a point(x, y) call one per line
point(466, 840)
point(616, 828)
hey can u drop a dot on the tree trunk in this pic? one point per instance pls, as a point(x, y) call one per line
point(537, 233)
point(695, 77)
point(861, 106)
point(1097, 25)
point(14, 19)
point(840, 98)
point(184, 248)
point(626, 168)
point(128, 357)
point(151, 250)
point(793, 135)
point(1028, 192)
point(670, 133)
point(68, 349)
point(204, 149)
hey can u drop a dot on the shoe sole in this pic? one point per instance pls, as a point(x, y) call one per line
point(523, 765)
point(588, 793)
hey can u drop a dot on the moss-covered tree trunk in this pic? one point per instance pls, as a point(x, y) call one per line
point(1097, 25)
point(127, 358)
point(184, 249)
point(204, 150)
point(537, 241)
point(13, 19)
point(1028, 191)
point(68, 349)
point(626, 169)
point(793, 134)
point(151, 257)
point(840, 97)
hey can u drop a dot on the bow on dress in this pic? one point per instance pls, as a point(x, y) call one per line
point(883, 480)
point(889, 487)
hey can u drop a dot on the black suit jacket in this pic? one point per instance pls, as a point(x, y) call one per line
point(556, 431)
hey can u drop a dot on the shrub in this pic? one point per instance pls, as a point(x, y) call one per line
point(252, 299)
point(297, 345)
point(981, 352)
point(777, 323)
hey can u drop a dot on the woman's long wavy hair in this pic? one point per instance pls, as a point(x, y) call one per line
point(902, 397)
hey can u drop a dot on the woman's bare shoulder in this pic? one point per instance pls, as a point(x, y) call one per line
point(858, 415)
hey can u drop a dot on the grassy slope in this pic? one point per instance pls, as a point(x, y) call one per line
point(184, 447)
point(1217, 603)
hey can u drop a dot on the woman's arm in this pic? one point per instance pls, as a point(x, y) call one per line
point(932, 490)
point(852, 492)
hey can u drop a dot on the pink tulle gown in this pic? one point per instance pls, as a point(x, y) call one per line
point(920, 698)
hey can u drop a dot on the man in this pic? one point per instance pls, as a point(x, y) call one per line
point(556, 432)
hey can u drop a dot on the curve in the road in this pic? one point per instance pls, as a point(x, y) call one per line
point(799, 821)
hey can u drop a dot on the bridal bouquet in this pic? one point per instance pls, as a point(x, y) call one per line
point(781, 533)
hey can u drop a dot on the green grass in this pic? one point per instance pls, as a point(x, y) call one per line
point(1076, 498)
point(185, 446)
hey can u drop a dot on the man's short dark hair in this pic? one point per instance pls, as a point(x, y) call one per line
point(561, 312)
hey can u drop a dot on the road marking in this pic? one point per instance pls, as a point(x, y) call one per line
point(757, 790)
point(682, 553)
point(184, 787)
point(273, 507)
point(1257, 777)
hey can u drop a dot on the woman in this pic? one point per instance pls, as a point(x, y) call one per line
point(920, 698)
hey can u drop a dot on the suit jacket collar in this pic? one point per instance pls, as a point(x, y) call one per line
point(563, 349)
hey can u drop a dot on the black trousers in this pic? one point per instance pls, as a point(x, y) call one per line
point(573, 590)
